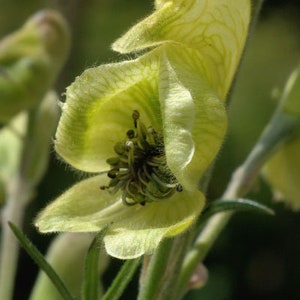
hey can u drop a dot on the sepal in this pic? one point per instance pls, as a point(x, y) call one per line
point(134, 231)
point(213, 31)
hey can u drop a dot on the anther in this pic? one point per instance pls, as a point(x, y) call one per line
point(112, 173)
point(130, 134)
point(139, 169)
point(179, 187)
point(113, 161)
point(119, 148)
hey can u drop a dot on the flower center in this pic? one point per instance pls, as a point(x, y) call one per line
point(140, 169)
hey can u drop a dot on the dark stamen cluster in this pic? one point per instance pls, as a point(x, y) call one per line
point(140, 168)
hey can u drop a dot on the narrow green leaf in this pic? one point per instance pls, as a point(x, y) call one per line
point(90, 288)
point(239, 204)
point(122, 279)
point(150, 285)
point(34, 253)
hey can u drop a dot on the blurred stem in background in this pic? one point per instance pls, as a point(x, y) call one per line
point(34, 157)
point(31, 59)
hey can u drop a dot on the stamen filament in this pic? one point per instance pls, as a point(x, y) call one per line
point(140, 169)
point(165, 184)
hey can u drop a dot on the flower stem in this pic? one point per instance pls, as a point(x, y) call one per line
point(157, 266)
point(14, 211)
point(19, 195)
point(161, 274)
point(123, 278)
point(278, 130)
point(172, 272)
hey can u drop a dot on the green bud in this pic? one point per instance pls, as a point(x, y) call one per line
point(30, 59)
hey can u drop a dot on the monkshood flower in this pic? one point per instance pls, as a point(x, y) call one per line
point(152, 125)
point(282, 171)
point(30, 59)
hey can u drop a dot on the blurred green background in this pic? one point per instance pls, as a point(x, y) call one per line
point(256, 257)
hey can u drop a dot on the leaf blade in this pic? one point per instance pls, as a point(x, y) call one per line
point(239, 204)
point(90, 286)
point(35, 254)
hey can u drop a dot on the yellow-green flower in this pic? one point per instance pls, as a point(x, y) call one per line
point(153, 125)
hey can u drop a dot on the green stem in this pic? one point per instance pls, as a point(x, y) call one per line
point(202, 245)
point(34, 253)
point(90, 286)
point(155, 271)
point(121, 281)
point(19, 194)
point(172, 272)
point(13, 212)
point(161, 274)
point(280, 128)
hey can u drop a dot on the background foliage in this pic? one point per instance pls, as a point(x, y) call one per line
point(257, 257)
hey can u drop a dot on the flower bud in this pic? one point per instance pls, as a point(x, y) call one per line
point(30, 59)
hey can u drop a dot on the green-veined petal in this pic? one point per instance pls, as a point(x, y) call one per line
point(82, 208)
point(217, 29)
point(194, 119)
point(98, 110)
point(135, 229)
